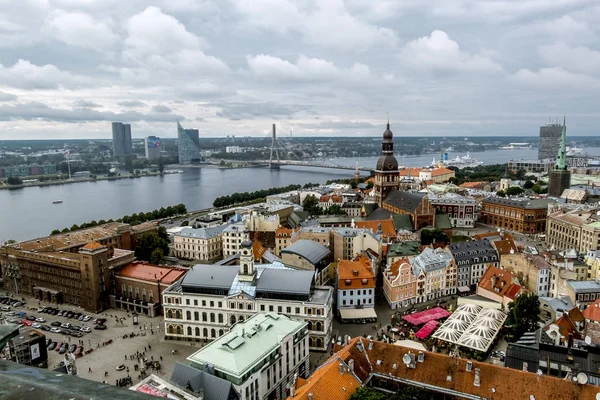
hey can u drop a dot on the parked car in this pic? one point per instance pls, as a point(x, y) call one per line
point(55, 330)
point(5, 308)
point(58, 346)
point(52, 346)
point(100, 321)
point(31, 317)
point(65, 325)
point(100, 327)
point(55, 323)
point(62, 349)
point(40, 319)
point(45, 328)
point(81, 317)
point(55, 312)
point(86, 318)
point(11, 314)
point(86, 329)
point(36, 325)
point(72, 348)
point(60, 313)
point(78, 351)
point(48, 342)
point(69, 314)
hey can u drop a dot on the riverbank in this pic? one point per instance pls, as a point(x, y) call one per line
point(81, 180)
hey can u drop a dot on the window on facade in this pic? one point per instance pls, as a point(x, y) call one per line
point(262, 307)
point(297, 310)
point(188, 315)
point(187, 302)
point(204, 317)
point(279, 309)
point(195, 302)
point(271, 308)
point(212, 317)
point(196, 316)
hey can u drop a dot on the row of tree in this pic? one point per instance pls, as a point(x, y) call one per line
point(132, 219)
point(406, 393)
point(311, 204)
point(236, 198)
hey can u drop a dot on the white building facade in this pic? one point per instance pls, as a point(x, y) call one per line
point(211, 299)
point(233, 236)
point(203, 244)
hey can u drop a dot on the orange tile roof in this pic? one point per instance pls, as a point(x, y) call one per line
point(387, 226)
point(93, 246)
point(592, 312)
point(355, 271)
point(480, 236)
point(396, 266)
point(576, 315)
point(441, 171)
point(334, 198)
point(504, 282)
point(505, 246)
point(472, 185)
point(414, 172)
point(566, 327)
point(508, 384)
point(258, 250)
point(328, 383)
point(283, 232)
point(150, 272)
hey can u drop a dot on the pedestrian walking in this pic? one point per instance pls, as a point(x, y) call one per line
point(89, 369)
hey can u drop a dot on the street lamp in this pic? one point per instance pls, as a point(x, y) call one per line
point(135, 318)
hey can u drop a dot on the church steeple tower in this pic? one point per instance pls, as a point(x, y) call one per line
point(561, 159)
point(387, 175)
point(247, 271)
point(560, 176)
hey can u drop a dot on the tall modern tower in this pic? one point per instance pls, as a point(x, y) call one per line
point(387, 175)
point(152, 147)
point(121, 135)
point(560, 177)
point(549, 141)
point(188, 145)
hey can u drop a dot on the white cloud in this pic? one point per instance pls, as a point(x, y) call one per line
point(23, 74)
point(319, 23)
point(574, 59)
point(439, 53)
point(304, 69)
point(79, 29)
point(556, 78)
point(7, 97)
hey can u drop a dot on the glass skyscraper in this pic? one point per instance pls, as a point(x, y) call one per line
point(121, 135)
point(188, 145)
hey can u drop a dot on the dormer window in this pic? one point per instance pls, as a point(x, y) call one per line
point(348, 282)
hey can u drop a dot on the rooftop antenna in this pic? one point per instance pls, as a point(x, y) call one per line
point(388, 119)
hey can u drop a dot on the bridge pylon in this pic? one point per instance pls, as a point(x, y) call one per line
point(274, 147)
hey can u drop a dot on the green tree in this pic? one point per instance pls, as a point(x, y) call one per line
point(334, 209)
point(514, 191)
point(311, 204)
point(428, 236)
point(74, 227)
point(14, 180)
point(156, 257)
point(367, 393)
point(524, 314)
point(528, 184)
point(55, 232)
point(161, 165)
point(148, 243)
point(501, 193)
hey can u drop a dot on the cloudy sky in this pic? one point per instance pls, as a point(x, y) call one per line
point(317, 67)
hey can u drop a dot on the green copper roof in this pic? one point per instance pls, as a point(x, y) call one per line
point(561, 160)
point(404, 249)
point(246, 344)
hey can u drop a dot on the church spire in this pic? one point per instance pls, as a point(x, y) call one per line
point(561, 160)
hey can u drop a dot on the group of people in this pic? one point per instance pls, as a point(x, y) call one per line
point(122, 382)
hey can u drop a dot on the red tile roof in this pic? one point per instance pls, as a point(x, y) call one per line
point(93, 246)
point(328, 383)
point(472, 185)
point(441, 171)
point(387, 226)
point(592, 312)
point(499, 281)
point(149, 272)
point(355, 272)
point(384, 361)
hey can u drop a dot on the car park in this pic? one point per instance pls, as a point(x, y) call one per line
point(66, 325)
point(40, 319)
point(55, 323)
point(55, 330)
point(52, 346)
point(62, 349)
point(78, 351)
point(86, 318)
point(45, 327)
point(31, 317)
point(72, 348)
point(100, 327)
point(58, 346)
point(36, 325)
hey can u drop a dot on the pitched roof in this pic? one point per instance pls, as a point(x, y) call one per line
point(93, 246)
point(405, 201)
point(378, 214)
point(441, 171)
point(404, 249)
point(387, 226)
point(500, 282)
point(472, 185)
point(197, 381)
point(431, 260)
point(442, 221)
point(505, 246)
point(357, 273)
point(369, 208)
point(474, 250)
point(202, 233)
point(567, 327)
point(328, 383)
point(310, 250)
point(592, 311)
point(526, 203)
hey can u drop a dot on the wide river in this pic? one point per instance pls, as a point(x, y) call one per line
point(29, 213)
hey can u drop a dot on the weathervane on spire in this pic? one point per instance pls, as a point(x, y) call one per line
point(388, 119)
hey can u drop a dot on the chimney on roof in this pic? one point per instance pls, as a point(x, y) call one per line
point(351, 365)
point(477, 378)
point(293, 386)
point(341, 368)
point(310, 396)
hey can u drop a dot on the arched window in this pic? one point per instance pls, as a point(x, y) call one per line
point(233, 320)
point(241, 318)
point(197, 331)
point(205, 332)
point(249, 306)
point(169, 314)
point(196, 315)
point(319, 342)
point(188, 315)
point(310, 327)
point(213, 333)
point(221, 332)
point(204, 316)
point(189, 331)
point(220, 318)
point(319, 326)
point(180, 330)
point(170, 329)
point(178, 314)
point(212, 317)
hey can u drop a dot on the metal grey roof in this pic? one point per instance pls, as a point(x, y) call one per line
point(404, 200)
point(202, 233)
point(474, 251)
point(584, 286)
point(285, 281)
point(210, 276)
point(430, 260)
point(519, 202)
point(312, 251)
point(214, 388)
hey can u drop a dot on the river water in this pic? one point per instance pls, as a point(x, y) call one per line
point(29, 213)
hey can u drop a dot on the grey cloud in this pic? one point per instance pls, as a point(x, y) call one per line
point(86, 104)
point(160, 108)
point(7, 97)
point(131, 103)
point(341, 125)
point(40, 111)
point(238, 111)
